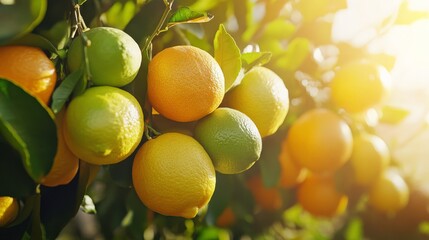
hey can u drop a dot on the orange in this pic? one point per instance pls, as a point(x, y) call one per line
point(318, 195)
point(263, 97)
point(370, 157)
point(9, 209)
point(266, 198)
point(389, 193)
point(30, 68)
point(65, 164)
point(231, 139)
point(104, 125)
point(360, 85)
point(320, 141)
point(226, 218)
point(185, 83)
point(173, 175)
point(291, 174)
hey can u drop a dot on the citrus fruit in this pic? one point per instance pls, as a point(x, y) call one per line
point(267, 198)
point(230, 138)
point(320, 141)
point(104, 125)
point(359, 86)
point(114, 57)
point(263, 97)
point(185, 83)
point(291, 174)
point(370, 157)
point(30, 68)
point(226, 218)
point(173, 175)
point(9, 209)
point(318, 195)
point(65, 164)
point(389, 193)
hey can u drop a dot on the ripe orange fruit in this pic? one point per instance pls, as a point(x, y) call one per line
point(360, 85)
point(9, 209)
point(65, 164)
point(389, 193)
point(173, 175)
point(114, 57)
point(185, 83)
point(104, 125)
point(291, 174)
point(30, 68)
point(263, 97)
point(320, 141)
point(318, 195)
point(226, 218)
point(268, 199)
point(230, 138)
point(370, 157)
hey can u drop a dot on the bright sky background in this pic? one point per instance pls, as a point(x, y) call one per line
point(410, 75)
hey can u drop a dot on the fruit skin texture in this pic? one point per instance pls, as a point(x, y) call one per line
point(30, 68)
point(104, 125)
point(359, 86)
point(185, 83)
point(65, 164)
point(266, 198)
point(173, 175)
point(263, 97)
point(9, 209)
point(231, 139)
point(320, 141)
point(114, 57)
point(389, 193)
point(291, 174)
point(370, 157)
point(319, 196)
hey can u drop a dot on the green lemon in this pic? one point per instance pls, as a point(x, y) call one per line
point(231, 139)
point(114, 57)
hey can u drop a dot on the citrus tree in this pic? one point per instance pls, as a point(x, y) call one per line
point(197, 119)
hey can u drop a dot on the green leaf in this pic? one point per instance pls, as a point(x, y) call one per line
point(393, 115)
point(252, 59)
point(29, 127)
point(20, 17)
point(87, 205)
point(296, 53)
point(35, 40)
point(269, 162)
point(120, 13)
point(224, 191)
point(227, 54)
point(186, 15)
point(63, 92)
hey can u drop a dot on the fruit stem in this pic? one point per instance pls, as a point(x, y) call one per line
point(168, 6)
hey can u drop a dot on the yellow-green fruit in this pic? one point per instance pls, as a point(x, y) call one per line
point(370, 157)
point(104, 125)
point(390, 193)
point(231, 139)
point(9, 209)
point(263, 97)
point(173, 175)
point(114, 57)
point(359, 86)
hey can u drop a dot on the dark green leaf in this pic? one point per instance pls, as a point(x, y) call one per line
point(139, 219)
point(253, 59)
point(35, 40)
point(269, 160)
point(63, 92)
point(186, 15)
point(20, 17)
point(29, 127)
point(393, 115)
point(227, 54)
point(221, 197)
point(81, 2)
